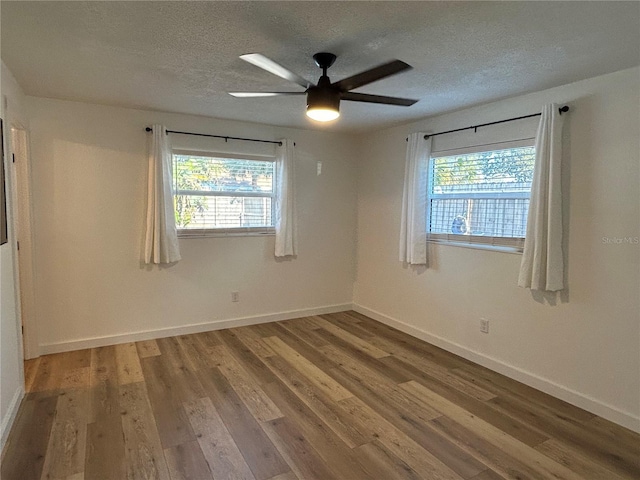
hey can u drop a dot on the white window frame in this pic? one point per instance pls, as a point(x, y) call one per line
point(504, 244)
point(235, 231)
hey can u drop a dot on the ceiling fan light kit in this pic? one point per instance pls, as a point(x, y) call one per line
point(323, 99)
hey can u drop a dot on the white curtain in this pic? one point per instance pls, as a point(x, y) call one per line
point(161, 239)
point(285, 206)
point(542, 266)
point(413, 229)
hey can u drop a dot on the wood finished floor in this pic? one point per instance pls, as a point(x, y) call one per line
point(330, 397)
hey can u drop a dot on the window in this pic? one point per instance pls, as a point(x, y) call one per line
point(480, 197)
point(219, 193)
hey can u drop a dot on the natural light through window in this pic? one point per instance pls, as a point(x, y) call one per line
point(214, 193)
point(480, 197)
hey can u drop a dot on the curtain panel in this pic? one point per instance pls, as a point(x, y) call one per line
point(161, 237)
point(413, 228)
point(286, 242)
point(542, 266)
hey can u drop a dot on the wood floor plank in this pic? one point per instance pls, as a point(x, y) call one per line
point(75, 378)
point(105, 450)
point(75, 359)
point(103, 381)
point(26, 447)
point(504, 464)
point(325, 442)
point(186, 462)
point(205, 419)
point(67, 441)
point(484, 410)
point(503, 386)
point(626, 437)
point(305, 334)
point(488, 475)
point(620, 457)
point(258, 403)
point(144, 457)
point(285, 476)
point(219, 449)
point(259, 453)
point(303, 459)
point(381, 463)
point(166, 399)
point(104, 365)
point(208, 339)
point(253, 341)
point(249, 360)
point(348, 323)
point(321, 404)
point(377, 385)
point(196, 351)
point(540, 463)
point(410, 424)
point(147, 348)
point(175, 370)
point(577, 461)
point(402, 446)
point(378, 364)
point(49, 373)
point(398, 343)
point(350, 338)
point(129, 370)
point(223, 460)
point(320, 379)
point(299, 345)
point(430, 364)
point(174, 356)
point(30, 371)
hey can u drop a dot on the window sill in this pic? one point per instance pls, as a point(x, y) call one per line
point(479, 246)
point(231, 232)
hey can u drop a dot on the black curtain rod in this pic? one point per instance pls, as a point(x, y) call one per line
point(563, 109)
point(226, 138)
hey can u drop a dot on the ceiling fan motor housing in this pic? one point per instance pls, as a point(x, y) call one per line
point(323, 96)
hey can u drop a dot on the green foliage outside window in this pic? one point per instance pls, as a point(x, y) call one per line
point(500, 165)
point(194, 173)
point(210, 174)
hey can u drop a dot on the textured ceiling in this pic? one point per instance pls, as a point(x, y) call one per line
point(183, 56)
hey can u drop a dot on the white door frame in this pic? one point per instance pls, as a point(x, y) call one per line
point(23, 248)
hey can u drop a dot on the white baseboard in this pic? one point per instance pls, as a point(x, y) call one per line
point(626, 419)
point(12, 412)
point(187, 329)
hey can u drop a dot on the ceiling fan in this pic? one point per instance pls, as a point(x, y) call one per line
point(323, 98)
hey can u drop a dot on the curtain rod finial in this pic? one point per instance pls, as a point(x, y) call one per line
point(148, 129)
point(564, 109)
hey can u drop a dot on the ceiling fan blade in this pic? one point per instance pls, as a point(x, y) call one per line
point(363, 97)
point(272, 67)
point(263, 94)
point(372, 75)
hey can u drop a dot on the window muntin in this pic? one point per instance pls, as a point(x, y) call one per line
point(480, 197)
point(221, 193)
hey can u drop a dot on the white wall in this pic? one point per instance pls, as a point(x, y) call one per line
point(89, 169)
point(11, 369)
point(586, 350)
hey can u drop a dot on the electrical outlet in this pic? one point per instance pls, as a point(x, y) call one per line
point(235, 296)
point(484, 325)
